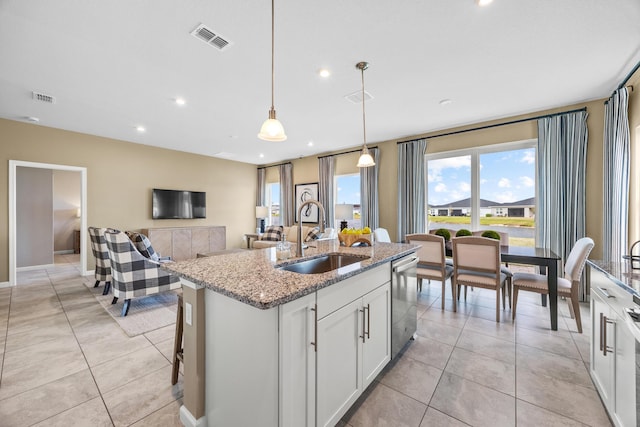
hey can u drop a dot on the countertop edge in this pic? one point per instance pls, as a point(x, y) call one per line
point(616, 280)
point(296, 294)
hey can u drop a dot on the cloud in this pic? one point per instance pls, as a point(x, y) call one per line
point(440, 188)
point(464, 186)
point(529, 157)
point(504, 183)
point(435, 167)
point(527, 181)
point(506, 196)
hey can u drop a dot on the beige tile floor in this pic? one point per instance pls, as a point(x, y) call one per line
point(65, 362)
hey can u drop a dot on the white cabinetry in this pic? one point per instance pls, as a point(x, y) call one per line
point(298, 362)
point(354, 342)
point(612, 349)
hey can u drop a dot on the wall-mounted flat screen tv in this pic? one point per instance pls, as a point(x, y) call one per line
point(178, 204)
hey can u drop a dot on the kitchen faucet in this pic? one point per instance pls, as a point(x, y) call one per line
point(299, 246)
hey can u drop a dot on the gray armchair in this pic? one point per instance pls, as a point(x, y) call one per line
point(134, 275)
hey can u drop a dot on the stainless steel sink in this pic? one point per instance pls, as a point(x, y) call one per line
point(323, 264)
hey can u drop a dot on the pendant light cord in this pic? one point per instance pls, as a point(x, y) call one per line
point(272, 51)
point(364, 125)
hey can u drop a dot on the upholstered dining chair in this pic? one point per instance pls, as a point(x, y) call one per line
point(132, 274)
point(476, 263)
point(432, 263)
point(101, 254)
point(381, 235)
point(568, 285)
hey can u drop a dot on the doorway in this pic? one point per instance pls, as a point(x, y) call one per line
point(13, 192)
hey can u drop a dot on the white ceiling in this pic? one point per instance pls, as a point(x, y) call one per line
point(114, 65)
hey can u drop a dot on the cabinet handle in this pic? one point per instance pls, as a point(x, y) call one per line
point(315, 328)
point(601, 323)
point(368, 308)
point(605, 347)
point(363, 322)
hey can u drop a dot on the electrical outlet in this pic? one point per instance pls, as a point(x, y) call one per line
point(188, 314)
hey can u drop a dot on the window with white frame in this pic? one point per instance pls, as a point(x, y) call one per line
point(347, 191)
point(484, 188)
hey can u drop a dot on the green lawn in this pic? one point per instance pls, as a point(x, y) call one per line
point(506, 221)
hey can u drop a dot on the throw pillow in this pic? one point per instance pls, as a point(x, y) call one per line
point(273, 233)
point(313, 234)
point(143, 245)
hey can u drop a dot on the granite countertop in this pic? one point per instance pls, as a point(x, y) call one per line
point(251, 276)
point(622, 273)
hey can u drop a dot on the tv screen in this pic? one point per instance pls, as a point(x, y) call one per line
point(177, 204)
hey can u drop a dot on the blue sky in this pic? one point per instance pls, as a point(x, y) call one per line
point(505, 176)
point(348, 189)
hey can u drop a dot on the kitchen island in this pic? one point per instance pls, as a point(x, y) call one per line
point(270, 347)
point(615, 338)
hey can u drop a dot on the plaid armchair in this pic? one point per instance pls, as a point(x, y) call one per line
point(133, 274)
point(101, 254)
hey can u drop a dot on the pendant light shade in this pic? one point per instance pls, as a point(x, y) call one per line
point(272, 129)
point(365, 159)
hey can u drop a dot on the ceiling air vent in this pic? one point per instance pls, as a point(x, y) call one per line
point(356, 97)
point(210, 37)
point(43, 97)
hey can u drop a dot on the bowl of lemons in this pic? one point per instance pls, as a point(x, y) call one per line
point(355, 237)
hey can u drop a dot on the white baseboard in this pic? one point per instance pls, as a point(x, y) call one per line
point(5, 285)
point(35, 267)
point(189, 420)
point(63, 252)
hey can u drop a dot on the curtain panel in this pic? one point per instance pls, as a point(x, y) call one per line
point(326, 174)
point(369, 207)
point(287, 215)
point(561, 160)
point(616, 176)
point(411, 188)
point(261, 190)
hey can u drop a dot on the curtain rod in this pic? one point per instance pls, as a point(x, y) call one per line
point(273, 166)
point(626, 79)
point(512, 122)
point(345, 152)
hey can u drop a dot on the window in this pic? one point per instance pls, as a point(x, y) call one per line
point(273, 202)
point(347, 190)
point(487, 188)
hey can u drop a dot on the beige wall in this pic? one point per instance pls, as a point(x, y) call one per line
point(120, 177)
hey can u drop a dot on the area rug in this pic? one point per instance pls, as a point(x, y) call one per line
point(146, 314)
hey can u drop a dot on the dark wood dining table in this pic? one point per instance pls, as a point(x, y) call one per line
point(541, 257)
point(544, 258)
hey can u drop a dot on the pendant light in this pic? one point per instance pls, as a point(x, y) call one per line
point(365, 159)
point(272, 129)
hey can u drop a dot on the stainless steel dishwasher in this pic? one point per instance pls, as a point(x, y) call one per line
point(404, 302)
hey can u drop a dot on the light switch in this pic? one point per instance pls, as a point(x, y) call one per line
point(188, 313)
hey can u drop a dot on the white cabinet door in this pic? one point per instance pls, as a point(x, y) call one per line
point(376, 351)
point(601, 365)
point(625, 379)
point(298, 362)
point(339, 362)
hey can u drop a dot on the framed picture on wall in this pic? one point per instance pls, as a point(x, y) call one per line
point(306, 192)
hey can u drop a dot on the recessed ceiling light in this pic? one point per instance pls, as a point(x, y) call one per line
point(32, 119)
point(310, 143)
point(261, 155)
point(445, 102)
point(323, 72)
point(180, 101)
point(141, 129)
point(483, 2)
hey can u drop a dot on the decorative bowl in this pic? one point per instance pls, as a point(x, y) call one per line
point(352, 239)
